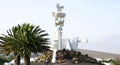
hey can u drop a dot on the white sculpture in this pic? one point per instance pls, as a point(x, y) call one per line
point(73, 43)
point(54, 56)
point(59, 43)
point(59, 22)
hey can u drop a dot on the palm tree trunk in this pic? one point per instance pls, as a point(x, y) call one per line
point(26, 60)
point(17, 59)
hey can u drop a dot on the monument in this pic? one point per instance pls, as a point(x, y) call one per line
point(65, 50)
point(59, 43)
point(59, 23)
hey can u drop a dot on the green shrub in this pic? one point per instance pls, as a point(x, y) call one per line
point(106, 61)
point(2, 61)
point(116, 62)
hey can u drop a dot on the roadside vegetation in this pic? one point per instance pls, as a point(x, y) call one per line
point(113, 61)
point(116, 62)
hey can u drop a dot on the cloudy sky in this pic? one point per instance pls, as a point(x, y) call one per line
point(96, 20)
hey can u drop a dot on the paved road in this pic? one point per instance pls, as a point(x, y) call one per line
point(64, 64)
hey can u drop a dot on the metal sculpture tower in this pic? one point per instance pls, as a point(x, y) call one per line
point(59, 23)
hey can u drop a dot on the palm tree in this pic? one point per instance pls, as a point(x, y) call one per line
point(8, 47)
point(25, 39)
point(10, 44)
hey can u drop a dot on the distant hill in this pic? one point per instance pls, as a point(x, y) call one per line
point(97, 54)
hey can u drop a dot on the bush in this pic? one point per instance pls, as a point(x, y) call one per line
point(2, 61)
point(116, 62)
point(106, 61)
